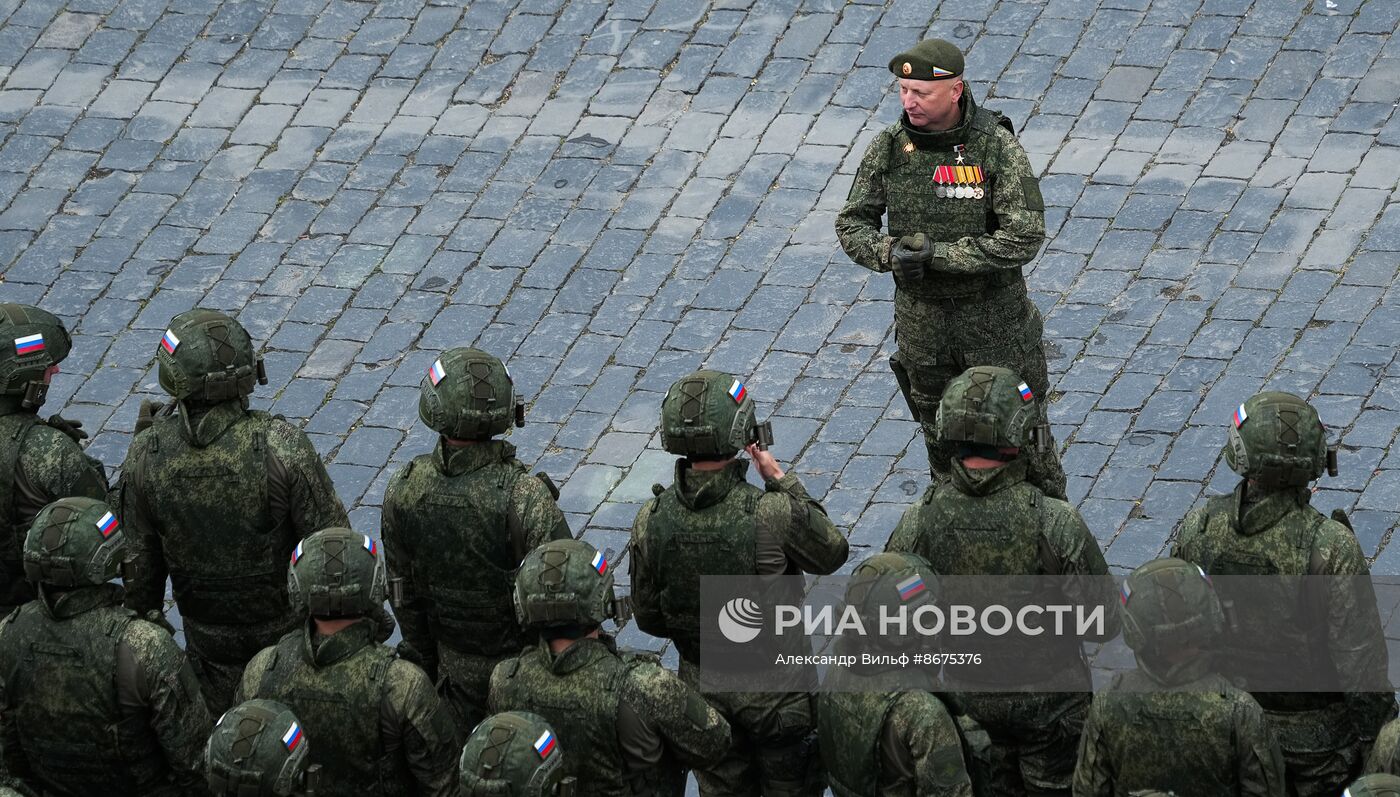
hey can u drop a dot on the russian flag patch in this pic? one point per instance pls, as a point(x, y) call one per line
point(910, 587)
point(1240, 416)
point(545, 744)
point(292, 737)
point(371, 545)
point(296, 553)
point(737, 391)
point(939, 72)
point(437, 373)
point(169, 342)
point(600, 563)
point(1025, 391)
point(1126, 593)
point(107, 524)
point(29, 344)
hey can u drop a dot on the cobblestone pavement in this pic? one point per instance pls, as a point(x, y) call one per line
point(611, 195)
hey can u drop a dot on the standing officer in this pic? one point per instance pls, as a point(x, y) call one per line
point(711, 522)
point(92, 699)
point(41, 460)
point(1266, 527)
point(456, 524)
point(1174, 722)
point(377, 724)
point(630, 726)
point(987, 519)
point(964, 215)
point(215, 496)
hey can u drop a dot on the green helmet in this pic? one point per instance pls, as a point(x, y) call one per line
point(1169, 604)
point(1377, 785)
point(564, 583)
point(208, 357)
point(469, 395)
point(990, 406)
point(337, 573)
point(707, 415)
point(513, 754)
point(74, 542)
point(1277, 439)
point(34, 341)
point(257, 750)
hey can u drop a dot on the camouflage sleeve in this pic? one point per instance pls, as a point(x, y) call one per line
point(920, 729)
point(859, 224)
point(1385, 755)
point(1355, 638)
point(312, 502)
point(1093, 773)
point(1186, 539)
point(1020, 212)
point(146, 570)
point(252, 676)
point(906, 531)
point(1081, 558)
point(694, 731)
point(409, 609)
point(539, 514)
point(1257, 750)
point(809, 538)
point(178, 716)
point(646, 600)
point(11, 751)
point(414, 721)
point(54, 467)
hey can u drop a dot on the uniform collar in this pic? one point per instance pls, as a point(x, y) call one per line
point(323, 651)
point(202, 425)
point(71, 603)
point(1254, 511)
point(580, 654)
point(698, 489)
point(456, 460)
point(1179, 674)
point(983, 482)
point(943, 139)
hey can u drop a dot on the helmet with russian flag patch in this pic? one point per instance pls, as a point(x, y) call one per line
point(1169, 604)
point(1374, 785)
point(257, 748)
point(511, 754)
point(1278, 440)
point(34, 341)
point(468, 394)
point(990, 406)
point(886, 582)
point(337, 573)
point(707, 415)
point(207, 357)
point(74, 542)
point(565, 583)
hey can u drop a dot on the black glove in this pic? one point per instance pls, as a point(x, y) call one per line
point(910, 256)
point(73, 429)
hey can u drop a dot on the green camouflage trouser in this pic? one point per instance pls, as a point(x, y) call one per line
point(1321, 751)
point(1034, 738)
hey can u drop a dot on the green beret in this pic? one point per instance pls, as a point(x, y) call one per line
point(931, 59)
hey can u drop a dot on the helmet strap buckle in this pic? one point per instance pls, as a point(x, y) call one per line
point(34, 394)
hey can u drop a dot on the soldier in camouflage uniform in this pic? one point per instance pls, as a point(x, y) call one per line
point(1385, 754)
point(987, 519)
point(92, 699)
point(41, 460)
point(215, 496)
point(1174, 722)
point(711, 522)
point(513, 754)
point(1266, 527)
point(964, 215)
point(378, 726)
point(456, 524)
point(630, 726)
point(886, 740)
point(258, 749)
point(1381, 785)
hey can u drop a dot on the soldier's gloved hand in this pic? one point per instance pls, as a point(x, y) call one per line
point(147, 414)
point(910, 257)
point(74, 429)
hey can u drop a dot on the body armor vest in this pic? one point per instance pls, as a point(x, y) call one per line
point(913, 206)
point(849, 725)
point(60, 678)
point(216, 499)
point(14, 589)
point(338, 706)
point(468, 584)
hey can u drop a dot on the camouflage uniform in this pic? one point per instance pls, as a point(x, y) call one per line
point(993, 522)
point(631, 726)
point(1266, 526)
point(1379, 785)
point(41, 460)
point(456, 524)
point(716, 523)
point(215, 496)
point(258, 749)
point(377, 725)
point(92, 699)
point(971, 306)
point(1173, 723)
point(1385, 754)
point(887, 742)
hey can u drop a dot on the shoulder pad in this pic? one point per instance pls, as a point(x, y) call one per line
point(548, 484)
point(986, 121)
point(636, 658)
point(657, 490)
point(509, 667)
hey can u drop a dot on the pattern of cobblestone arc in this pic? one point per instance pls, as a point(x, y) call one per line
point(609, 195)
